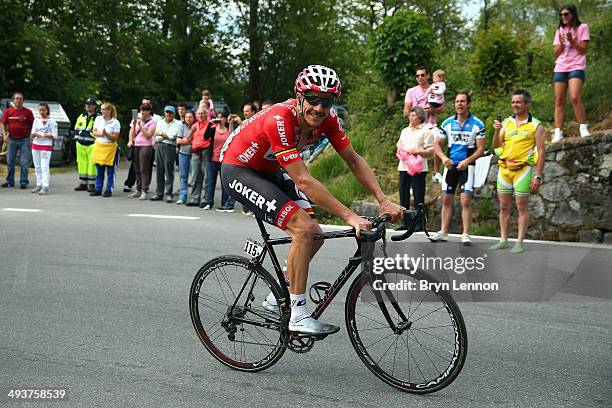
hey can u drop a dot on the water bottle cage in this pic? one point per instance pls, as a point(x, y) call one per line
point(318, 291)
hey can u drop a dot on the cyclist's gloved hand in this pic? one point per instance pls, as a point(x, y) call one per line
point(394, 210)
point(358, 223)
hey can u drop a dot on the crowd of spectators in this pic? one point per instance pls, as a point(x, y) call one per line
point(194, 140)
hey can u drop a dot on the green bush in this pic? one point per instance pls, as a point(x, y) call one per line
point(399, 45)
point(494, 64)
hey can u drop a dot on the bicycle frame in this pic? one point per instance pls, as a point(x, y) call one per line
point(335, 288)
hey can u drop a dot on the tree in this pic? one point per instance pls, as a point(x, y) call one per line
point(494, 64)
point(398, 46)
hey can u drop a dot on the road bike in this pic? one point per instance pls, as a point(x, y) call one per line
point(414, 340)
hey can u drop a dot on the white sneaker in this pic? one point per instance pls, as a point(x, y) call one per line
point(558, 136)
point(208, 207)
point(438, 237)
point(584, 131)
point(466, 240)
point(309, 325)
point(135, 194)
point(143, 196)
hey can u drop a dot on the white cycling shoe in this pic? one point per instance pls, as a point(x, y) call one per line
point(270, 306)
point(309, 325)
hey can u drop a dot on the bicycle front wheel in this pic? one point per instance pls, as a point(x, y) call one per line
point(425, 348)
point(226, 310)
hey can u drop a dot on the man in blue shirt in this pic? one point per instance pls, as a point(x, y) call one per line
point(466, 143)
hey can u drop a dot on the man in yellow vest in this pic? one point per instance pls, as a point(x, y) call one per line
point(518, 141)
point(84, 147)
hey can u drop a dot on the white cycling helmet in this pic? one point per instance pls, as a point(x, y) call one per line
point(318, 78)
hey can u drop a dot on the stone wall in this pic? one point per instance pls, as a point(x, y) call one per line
point(574, 202)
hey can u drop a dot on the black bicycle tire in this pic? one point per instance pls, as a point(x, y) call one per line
point(200, 331)
point(461, 338)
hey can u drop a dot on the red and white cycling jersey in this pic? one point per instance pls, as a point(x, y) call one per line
point(271, 138)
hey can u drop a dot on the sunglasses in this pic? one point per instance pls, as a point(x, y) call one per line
point(421, 75)
point(315, 100)
point(565, 14)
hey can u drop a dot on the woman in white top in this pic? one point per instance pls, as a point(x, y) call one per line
point(414, 146)
point(44, 132)
point(106, 131)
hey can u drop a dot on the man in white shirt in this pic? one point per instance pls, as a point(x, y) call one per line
point(165, 153)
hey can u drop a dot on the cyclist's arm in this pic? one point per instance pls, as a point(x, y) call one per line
point(364, 173)
point(539, 139)
point(498, 138)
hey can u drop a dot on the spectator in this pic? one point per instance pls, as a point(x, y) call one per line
point(248, 111)
point(207, 103)
point(570, 45)
point(84, 147)
point(184, 155)
point(202, 136)
point(418, 96)
point(16, 127)
point(466, 143)
point(266, 104)
point(214, 167)
point(44, 132)
point(521, 140)
point(435, 93)
point(166, 132)
point(414, 146)
point(131, 179)
point(141, 133)
point(181, 109)
point(106, 130)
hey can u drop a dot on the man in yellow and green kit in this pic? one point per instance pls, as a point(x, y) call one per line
point(519, 143)
point(84, 146)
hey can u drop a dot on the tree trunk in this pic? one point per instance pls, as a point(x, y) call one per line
point(391, 95)
point(254, 51)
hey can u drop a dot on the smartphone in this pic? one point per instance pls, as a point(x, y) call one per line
point(134, 113)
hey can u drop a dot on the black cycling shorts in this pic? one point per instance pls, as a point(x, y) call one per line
point(462, 178)
point(273, 198)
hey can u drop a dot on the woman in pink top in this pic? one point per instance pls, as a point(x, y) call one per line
point(570, 45)
point(141, 133)
point(214, 166)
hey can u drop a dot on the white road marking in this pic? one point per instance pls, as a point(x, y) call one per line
point(332, 227)
point(169, 217)
point(21, 209)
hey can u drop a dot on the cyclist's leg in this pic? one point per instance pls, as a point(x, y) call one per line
point(467, 189)
point(287, 185)
point(259, 193)
point(522, 187)
point(449, 184)
point(505, 189)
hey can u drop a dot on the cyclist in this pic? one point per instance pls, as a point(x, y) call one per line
point(466, 143)
point(263, 170)
point(520, 141)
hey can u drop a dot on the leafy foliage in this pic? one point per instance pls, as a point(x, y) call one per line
point(399, 45)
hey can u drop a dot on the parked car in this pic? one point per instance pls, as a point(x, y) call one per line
point(61, 153)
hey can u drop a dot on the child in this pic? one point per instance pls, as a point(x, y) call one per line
point(435, 93)
point(44, 133)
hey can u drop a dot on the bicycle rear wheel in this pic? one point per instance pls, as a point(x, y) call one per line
point(226, 310)
point(425, 352)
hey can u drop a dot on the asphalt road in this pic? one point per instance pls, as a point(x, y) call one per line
point(96, 300)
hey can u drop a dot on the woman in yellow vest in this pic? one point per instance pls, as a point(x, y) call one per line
point(106, 131)
point(518, 141)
